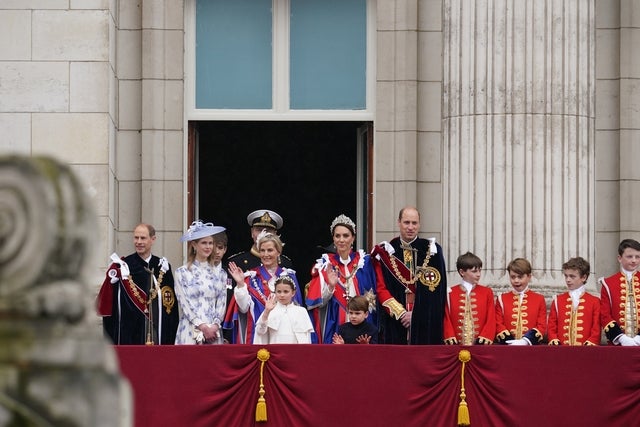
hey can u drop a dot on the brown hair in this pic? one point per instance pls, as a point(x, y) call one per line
point(287, 280)
point(579, 264)
point(628, 243)
point(359, 303)
point(149, 227)
point(404, 209)
point(519, 266)
point(468, 261)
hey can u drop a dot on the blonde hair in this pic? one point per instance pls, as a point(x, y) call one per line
point(218, 239)
point(270, 237)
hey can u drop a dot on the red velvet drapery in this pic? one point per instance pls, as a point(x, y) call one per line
point(323, 385)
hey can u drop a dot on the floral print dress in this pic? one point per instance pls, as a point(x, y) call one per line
point(201, 291)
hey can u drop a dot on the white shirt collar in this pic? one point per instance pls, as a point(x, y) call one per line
point(467, 286)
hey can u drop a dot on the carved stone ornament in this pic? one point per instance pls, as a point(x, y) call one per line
point(55, 368)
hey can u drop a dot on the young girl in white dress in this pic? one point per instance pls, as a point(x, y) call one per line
point(282, 321)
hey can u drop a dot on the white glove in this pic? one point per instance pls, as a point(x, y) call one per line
point(521, 341)
point(626, 341)
point(164, 264)
point(124, 268)
point(637, 339)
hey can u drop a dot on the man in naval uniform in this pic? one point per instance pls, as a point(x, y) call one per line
point(262, 219)
point(413, 295)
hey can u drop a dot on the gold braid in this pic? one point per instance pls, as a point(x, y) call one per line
point(392, 258)
point(153, 293)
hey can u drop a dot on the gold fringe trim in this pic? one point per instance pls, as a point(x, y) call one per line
point(463, 410)
point(261, 406)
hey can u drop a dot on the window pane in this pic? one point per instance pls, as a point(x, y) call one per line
point(233, 54)
point(328, 54)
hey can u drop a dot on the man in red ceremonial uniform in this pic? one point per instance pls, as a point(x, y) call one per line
point(413, 293)
point(620, 297)
point(136, 308)
point(470, 315)
point(575, 315)
point(521, 314)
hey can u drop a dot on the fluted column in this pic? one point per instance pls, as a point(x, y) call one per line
point(518, 129)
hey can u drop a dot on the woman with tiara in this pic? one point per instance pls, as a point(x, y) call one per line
point(254, 287)
point(336, 278)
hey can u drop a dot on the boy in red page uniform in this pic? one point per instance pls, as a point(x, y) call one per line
point(575, 315)
point(521, 315)
point(470, 315)
point(620, 297)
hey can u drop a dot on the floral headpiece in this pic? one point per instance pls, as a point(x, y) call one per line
point(285, 278)
point(342, 219)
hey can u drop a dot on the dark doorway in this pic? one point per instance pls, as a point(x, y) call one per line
point(305, 171)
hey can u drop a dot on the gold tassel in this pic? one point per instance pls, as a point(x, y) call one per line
point(261, 409)
point(261, 406)
point(463, 414)
point(463, 410)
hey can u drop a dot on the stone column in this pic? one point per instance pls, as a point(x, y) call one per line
point(408, 115)
point(518, 130)
point(162, 169)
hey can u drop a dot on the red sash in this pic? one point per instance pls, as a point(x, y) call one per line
point(257, 295)
point(405, 273)
point(104, 300)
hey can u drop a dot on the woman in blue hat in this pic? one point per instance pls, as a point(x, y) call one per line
point(201, 285)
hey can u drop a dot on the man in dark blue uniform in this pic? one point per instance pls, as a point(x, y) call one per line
point(262, 219)
point(136, 308)
point(413, 295)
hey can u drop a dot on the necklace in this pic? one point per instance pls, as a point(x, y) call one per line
point(355, 268)
point(413, 279)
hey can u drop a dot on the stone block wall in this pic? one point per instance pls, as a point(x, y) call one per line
point(57, 71)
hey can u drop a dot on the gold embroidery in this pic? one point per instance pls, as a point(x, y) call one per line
point(429, 277)
point(407, 254)
point(134, 290)
point(468, 322)
point(168, 298)
point(395, 308)
point(413, 278)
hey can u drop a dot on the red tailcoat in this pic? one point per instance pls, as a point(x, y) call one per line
point(581, 329)
point(527, 319)
point(613, 297)
point(482, 311)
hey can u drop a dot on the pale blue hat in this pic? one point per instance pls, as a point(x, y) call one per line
point(198, 230)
